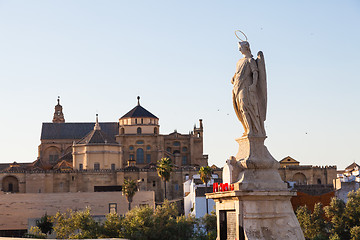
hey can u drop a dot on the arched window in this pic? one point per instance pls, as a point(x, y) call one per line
point(53, 154)
point(122, 131)
point(138, 130)
point(139, 155)
point(184, 149)
point(155, 130)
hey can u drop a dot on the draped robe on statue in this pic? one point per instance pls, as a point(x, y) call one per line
point(250, 106)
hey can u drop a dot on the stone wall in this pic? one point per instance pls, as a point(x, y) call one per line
point(85, 181)
point(17, 208)
point(308, 174)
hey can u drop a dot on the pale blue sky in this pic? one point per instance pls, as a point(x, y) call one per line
point(179, 56)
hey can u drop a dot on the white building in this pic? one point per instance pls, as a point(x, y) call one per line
point(194, 196)
point(347, 181)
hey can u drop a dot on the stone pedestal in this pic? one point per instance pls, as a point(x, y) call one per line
point(259, 207)
point(254, 215)
point(254, 168)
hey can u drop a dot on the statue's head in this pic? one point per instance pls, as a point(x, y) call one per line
point(244, 47)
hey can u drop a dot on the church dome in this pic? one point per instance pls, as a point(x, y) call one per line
point(138, 112)
point(139, 121)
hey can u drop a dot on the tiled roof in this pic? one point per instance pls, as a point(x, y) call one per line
point(97, 137)
point(139, 111)
point(352, 166)
point(40, 164)
point(8, 166)
point(63, 165)
point(75, 130)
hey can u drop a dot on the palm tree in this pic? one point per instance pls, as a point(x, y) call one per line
point(164, 169)
point(205, 176)
point(129, 189)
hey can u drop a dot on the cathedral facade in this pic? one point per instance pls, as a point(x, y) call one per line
point(96, 157)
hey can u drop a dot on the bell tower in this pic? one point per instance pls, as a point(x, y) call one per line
point(58, 114)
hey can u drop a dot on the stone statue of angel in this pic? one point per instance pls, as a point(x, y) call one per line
point(250, 91)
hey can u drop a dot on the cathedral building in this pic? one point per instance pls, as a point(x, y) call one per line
point(96, 157)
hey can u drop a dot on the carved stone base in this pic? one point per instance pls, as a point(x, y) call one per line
point(253, 168)
point(259, 179)
point(254, 215)
point(253, 154)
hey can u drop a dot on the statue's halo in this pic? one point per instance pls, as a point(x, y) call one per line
point(242, 34)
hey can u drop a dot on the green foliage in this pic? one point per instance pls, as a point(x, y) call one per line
point(206, 227)
point(209, 221)
point(335, 237)
point(318, 222)
point(112, 226)
point(75, 225)
point(45, 224)
point(355, 233)
point(352, 210)
point(303, 215)
point(342, 220)
point(335, 212)
point(205, 174)
point(129, 189)
point(313, 224)
point(141, 223)
point(137, 223)
point(164, 169)
point(35, 232)
point(146, 223)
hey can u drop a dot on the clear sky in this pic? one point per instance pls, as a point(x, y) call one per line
point(179, 56)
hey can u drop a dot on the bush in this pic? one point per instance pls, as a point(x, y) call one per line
point(141, 223)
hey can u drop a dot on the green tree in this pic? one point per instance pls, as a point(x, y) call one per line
point(210, 223)
point(355, 233)
point(35, 232)
point(335, 212)
point(76, 225)
point(303, 215)
point(129, 189)
point(205, 176)
point(112, 226)
point(313, 224)
point(45, 224)
point(164, 169)
point(161, 223)
point(206, 227)
point(352, 209)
